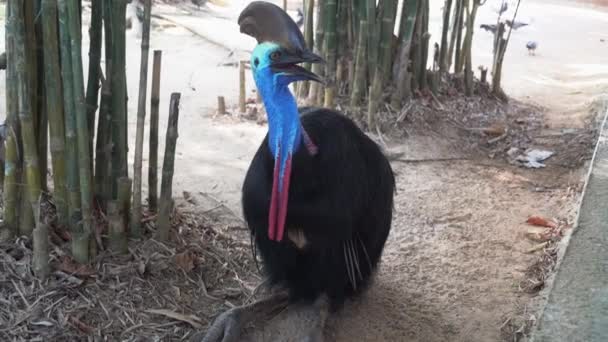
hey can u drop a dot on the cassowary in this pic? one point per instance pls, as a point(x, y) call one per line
point(318, 195)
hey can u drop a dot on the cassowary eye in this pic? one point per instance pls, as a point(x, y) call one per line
point(256, 62)
point(275, 55)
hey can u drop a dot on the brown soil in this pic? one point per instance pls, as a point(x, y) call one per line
point(455, 266)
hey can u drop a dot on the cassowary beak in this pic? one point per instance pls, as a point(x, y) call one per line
point(287, 65)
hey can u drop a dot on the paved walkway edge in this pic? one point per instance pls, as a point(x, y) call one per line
point(577, 304)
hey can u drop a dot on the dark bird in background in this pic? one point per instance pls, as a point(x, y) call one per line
point(318, 195)
point(503, 8)
point(516, 24)
point(531, 46)
point(488, 27)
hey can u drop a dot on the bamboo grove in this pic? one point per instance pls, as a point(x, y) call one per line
point(91, 196)
point(378, 51)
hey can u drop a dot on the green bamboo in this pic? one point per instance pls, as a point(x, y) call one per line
point(443, 52)
point(30, 153)
point(34, 28)
point(55, 108)
point(116, 229)
point(11, 176)
point(403, 77)
point(103, 147)
point(372, 47)
point(455, 25)
point(135, 227)
point(154, 108)
point(387, 27)
point(467, 47)
point(360, 81)
point(330, 51)
point(384, 66)
point(69, 106)
point(123, 198)
point(163, 221)
point(309, 39)
point(424, 45)
point(119, 94)
point(82, 136)
point(458, 62)
point(317, 68)
point(11, 157)
point(40, 260)
point(92, 93)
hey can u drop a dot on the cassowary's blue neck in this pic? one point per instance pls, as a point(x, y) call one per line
point(284, 127)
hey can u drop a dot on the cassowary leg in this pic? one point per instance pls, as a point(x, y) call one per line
point(228, 326)
point(321, 305)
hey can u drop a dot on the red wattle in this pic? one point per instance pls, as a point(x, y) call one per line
point(272, 214)
point(283, 196)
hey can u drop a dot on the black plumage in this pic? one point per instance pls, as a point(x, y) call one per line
point(342, 201)
point(339, 200)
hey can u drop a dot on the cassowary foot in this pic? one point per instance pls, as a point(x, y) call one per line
point(315, 334)
point(228, 326)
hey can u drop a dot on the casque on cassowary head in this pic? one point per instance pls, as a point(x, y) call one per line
point(318, 194)
point(280, 48)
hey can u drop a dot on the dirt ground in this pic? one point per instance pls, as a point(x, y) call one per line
point(457, 266)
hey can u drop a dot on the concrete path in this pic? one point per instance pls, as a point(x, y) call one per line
point(577, 307)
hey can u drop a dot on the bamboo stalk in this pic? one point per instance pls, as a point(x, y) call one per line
point(73, 182)
point(424, 46)
point(383, 67)
point(443, 52)
point(55, 108)
point(11, 157)
point(458, 61)
point(36, 57)
point(456, 26)
point(116, 229)
point(92, 93)
point(372, 47)
point(309, 39)
point(360, 81)
point(41, 250)
point(331, 51)
point(123, 198)
point(497, 70)
point(32, 168)
point(103, 148)
point(242, 94)
point(82, 124)
point(154, 109)
point(135, 227)
point(403, 77)
point(315, 88)
point(119, 94)
point(467, 47)
point(163, 222)
point(221, 105)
